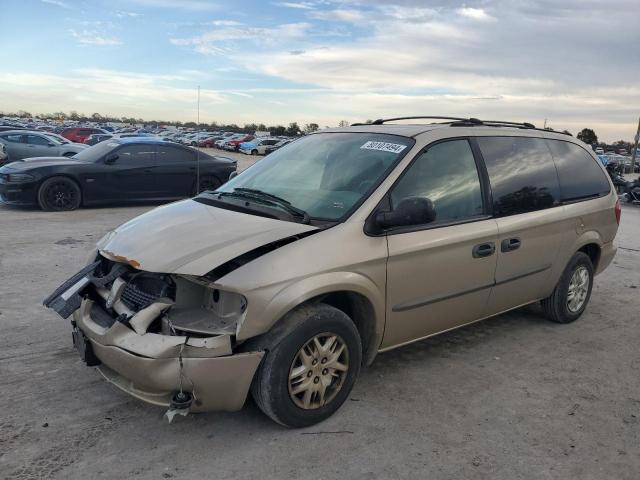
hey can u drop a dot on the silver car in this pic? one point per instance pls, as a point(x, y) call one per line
point(21, 144)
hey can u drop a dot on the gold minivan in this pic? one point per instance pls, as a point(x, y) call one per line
point(293, 275)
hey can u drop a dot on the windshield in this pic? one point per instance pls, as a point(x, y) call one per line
point(325, 174)
point(95, 152)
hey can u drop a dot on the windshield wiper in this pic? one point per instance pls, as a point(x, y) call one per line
point(269, 198)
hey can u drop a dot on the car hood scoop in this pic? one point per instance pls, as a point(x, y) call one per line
point(192, 238)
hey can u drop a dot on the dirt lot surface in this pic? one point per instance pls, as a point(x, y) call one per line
point(513, 397)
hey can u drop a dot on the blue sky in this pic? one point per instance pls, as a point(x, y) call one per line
point(326, 60)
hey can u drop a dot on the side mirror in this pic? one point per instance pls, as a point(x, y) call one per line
point(410, 211)
point(111, 158)
point(233, 174)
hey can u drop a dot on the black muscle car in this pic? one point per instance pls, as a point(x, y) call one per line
point(123, 170)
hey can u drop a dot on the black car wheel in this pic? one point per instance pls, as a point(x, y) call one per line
point(254, 152)
point(59, 194)
point(208, 183)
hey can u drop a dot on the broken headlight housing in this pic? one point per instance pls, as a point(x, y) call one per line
point(227, 305)
point(203, 308)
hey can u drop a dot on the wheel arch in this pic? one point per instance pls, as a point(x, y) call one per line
point(593, 251)
point(65, 175)
point(355, 295)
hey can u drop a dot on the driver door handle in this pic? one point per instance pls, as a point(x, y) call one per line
point(483, 250)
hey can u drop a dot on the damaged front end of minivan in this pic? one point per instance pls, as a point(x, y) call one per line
point(152, 320)
point(158, 335)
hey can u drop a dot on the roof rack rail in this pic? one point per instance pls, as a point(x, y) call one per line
point(462, 122)
point(380, 121)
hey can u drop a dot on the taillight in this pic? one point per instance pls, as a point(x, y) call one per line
point(618, 211)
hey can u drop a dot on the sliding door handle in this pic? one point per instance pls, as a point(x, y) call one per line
point(510, 244)
point(484, 250)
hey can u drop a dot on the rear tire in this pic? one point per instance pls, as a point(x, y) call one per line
point(572, 292)
point(57, 194)
point(296, 384)
point(254, 152)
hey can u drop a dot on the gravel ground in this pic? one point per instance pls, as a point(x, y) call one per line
point(513, 397)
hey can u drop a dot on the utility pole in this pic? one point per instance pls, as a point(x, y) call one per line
point(635, 150)
point(197, 146)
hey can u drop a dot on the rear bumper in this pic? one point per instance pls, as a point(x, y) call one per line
point(148, 366)
point(607, 252)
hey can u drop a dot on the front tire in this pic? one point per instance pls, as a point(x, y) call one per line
point(207, 183)
point(254, 152)
point(312, 360)
point(57, 194)
point(573, 291)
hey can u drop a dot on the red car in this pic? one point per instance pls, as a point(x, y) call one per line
point(234, 145)
point(79, 135)
point(208, 142)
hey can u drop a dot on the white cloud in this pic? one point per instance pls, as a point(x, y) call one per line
point(223, 23)
point(109, 92)
point(57, 3)
point(341, 15)
point(220, 40)
point(475, 14)
point(298, 5)
point(196, 5)
point(89, 37)
point(124, 14)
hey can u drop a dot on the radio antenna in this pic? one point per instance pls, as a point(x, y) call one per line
point(197, 146)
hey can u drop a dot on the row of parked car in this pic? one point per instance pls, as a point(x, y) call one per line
point(249, 144)
point(18, 142)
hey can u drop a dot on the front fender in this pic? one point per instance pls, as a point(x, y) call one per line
point(263, 317)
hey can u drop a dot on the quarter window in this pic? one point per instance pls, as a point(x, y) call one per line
point(447, 175)
point(580, 176)
point(522, 174)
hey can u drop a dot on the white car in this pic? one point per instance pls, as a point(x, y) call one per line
point(258, 146)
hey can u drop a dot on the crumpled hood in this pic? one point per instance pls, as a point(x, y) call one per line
point(188, 237)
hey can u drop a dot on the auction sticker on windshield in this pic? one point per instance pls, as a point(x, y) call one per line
point(383, 146)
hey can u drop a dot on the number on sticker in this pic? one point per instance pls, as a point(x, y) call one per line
point(383, 146)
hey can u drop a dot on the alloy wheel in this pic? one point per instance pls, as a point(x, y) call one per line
point(60, 195)
point(318, 371)
point(578, 289)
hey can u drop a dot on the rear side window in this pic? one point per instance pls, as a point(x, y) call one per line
point(16, 138)
point(37, 140)
point(580, 176)
point(522, 174)
point(172, 154)
point(132, 154)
